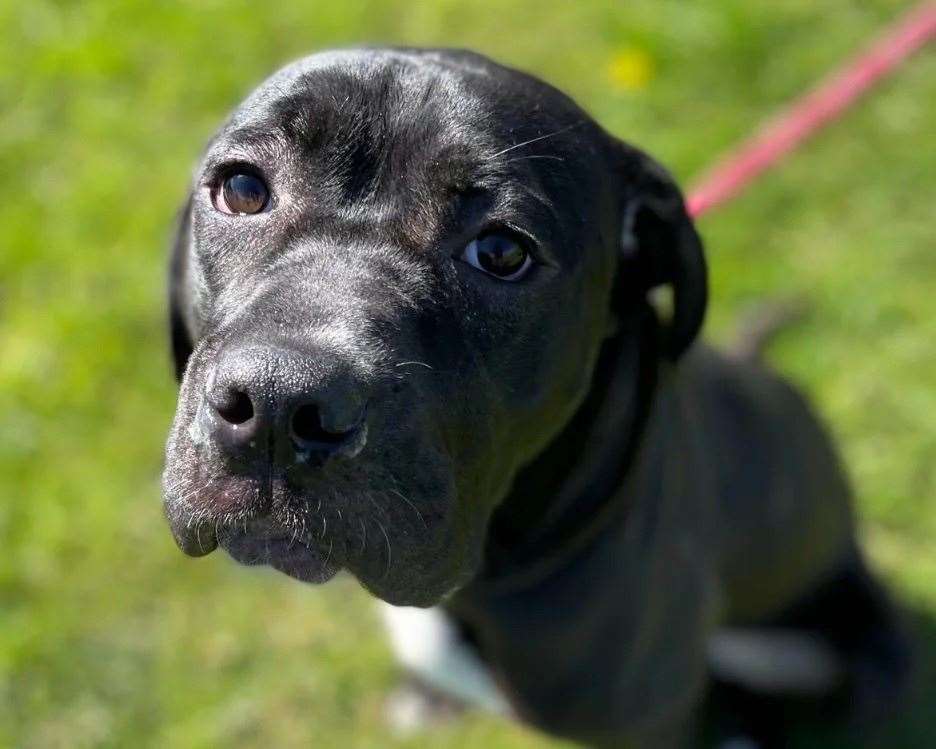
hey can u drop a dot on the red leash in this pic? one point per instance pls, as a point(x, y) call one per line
point(811, 112)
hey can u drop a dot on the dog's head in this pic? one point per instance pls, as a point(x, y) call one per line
point(391, 283)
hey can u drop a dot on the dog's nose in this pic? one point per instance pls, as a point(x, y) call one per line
point(297, 406)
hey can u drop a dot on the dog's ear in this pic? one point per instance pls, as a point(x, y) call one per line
point(180, 336)
point(660, 246)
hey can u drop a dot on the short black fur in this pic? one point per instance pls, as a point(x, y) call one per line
point(557, 466)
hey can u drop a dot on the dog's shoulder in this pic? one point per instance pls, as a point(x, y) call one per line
point(733, 389)
point(776, 473)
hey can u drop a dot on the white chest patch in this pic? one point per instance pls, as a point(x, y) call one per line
point(427, 644)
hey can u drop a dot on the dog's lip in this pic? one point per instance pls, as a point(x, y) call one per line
point(196, 539)
point(270, 545)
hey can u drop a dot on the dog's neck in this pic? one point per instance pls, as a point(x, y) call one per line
point(567, 495)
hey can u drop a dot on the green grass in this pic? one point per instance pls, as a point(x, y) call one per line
point(108, 635)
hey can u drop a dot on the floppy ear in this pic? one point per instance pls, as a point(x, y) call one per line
point(660, 246)
point(180, 336)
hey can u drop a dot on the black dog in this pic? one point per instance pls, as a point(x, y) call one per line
point(410, 317)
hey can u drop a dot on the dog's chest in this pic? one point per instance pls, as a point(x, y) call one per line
point(615, 639)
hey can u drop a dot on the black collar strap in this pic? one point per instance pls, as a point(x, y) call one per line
point(541, 525)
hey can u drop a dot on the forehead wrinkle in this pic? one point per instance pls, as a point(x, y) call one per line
point(370, 132)
point(249, 143)
point(526, 195)
point(393, 93)
point(423, 145)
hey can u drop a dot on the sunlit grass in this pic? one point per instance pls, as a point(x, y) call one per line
point(109, 636)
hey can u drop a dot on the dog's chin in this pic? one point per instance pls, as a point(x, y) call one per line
point(416, 592)
point(407, 549)
point(282, 552)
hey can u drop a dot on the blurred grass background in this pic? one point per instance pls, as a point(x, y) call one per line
point(108, 635)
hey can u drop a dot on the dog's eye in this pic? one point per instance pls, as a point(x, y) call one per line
point(500, 254)
point(242, 193)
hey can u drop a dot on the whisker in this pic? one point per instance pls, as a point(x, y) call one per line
point(415, 509)
point(374, 502)
point(536, 156)
point(389, 550)
point(186, 496)
point(538, 138)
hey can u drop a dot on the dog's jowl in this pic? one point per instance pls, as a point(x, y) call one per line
point(410, 318)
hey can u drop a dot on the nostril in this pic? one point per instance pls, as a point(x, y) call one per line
point(236, 409)
point(306, 426)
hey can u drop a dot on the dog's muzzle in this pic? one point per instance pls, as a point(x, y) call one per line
point(267, 416)
point(265, 404)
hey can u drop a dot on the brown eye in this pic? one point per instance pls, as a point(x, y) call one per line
point(499, 254)
point(241, 194)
